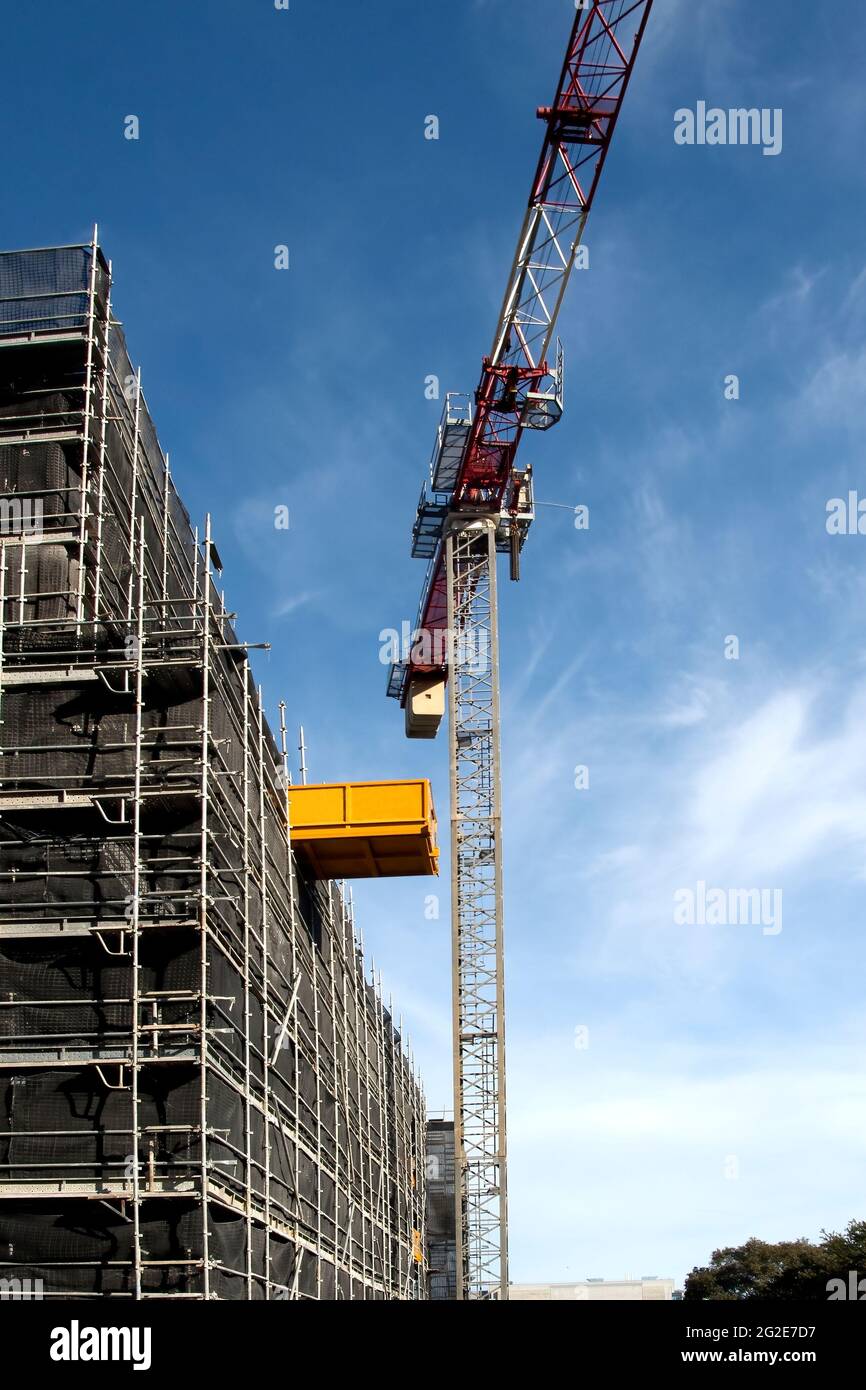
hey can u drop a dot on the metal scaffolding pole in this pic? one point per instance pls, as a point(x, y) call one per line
point(476, 911)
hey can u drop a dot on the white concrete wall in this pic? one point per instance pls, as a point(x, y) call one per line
point(618, 1290)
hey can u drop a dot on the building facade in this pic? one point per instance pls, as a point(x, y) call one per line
point(441, 1216)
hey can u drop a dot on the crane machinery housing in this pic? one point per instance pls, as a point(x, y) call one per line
point(475, 504)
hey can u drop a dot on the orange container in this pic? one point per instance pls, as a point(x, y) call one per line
point(365, 829)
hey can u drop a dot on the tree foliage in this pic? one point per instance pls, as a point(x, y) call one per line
point(787, 1270)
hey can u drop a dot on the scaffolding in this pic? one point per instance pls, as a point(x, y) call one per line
point(206, 1096)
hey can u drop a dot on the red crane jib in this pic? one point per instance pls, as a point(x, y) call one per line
point(580, 123)
point(486, 468)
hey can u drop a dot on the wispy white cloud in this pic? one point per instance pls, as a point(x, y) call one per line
point(290, 603)
point(836, 392)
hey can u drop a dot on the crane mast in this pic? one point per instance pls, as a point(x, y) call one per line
point(478, 503)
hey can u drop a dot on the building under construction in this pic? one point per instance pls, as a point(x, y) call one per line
point(441, 1246)
point(204, 1095)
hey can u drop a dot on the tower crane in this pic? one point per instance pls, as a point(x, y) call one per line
point(475, 504)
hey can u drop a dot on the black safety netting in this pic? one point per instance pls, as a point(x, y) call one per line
point(79, 1247)
point(48, 289)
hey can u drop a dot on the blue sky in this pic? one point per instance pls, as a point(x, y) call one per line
point(722, 1092)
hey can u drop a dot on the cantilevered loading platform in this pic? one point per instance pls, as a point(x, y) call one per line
point(365, 829)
